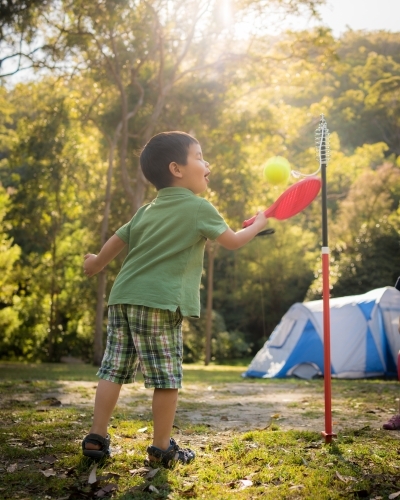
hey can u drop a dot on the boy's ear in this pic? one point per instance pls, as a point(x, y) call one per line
point(175, 169)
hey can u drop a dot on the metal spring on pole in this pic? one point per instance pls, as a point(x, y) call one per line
point(322, 145)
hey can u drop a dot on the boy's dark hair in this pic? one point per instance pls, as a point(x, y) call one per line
point(160, 151)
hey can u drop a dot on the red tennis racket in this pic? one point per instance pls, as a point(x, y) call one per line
point(295, 199)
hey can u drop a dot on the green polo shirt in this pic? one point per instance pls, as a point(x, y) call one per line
point(166, 241)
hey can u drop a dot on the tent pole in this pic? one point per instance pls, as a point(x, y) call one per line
point(323, 150)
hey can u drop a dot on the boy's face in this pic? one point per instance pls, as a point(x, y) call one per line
point(194, 175)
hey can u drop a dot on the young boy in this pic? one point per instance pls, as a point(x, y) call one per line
point(157, 286)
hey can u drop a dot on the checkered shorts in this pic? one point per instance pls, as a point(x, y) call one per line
point(146, 336)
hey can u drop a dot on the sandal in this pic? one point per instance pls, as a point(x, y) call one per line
point(100, 440)
point(170, 456)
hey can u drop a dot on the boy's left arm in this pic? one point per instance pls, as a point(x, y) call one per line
point(95, 263)
point(232, 240)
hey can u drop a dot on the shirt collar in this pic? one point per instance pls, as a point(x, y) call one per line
point(174, 191)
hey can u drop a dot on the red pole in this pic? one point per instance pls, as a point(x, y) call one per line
point(327, 347)
point(322, 142)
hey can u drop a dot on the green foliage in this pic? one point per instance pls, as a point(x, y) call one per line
point(9, 255)
point(245, 103)
point(230, 346)
point(51, 173)
point(194, 335)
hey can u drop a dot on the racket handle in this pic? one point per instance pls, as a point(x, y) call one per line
point(266, 232)
point(249, 222)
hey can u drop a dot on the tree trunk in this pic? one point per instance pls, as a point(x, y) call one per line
point(98, 333)
point(102, 279)
point(211, 251)
point(52, 338)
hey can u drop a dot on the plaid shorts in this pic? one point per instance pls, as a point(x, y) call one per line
point(151, 338)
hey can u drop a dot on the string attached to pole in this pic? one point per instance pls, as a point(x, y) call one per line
point(323, 154)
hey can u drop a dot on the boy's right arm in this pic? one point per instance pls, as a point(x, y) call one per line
point(95, 263)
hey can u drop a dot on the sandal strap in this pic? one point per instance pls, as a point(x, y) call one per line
point(172, 454)
point(97, 439)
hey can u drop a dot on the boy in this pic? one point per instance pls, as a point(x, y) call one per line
point(157, 286)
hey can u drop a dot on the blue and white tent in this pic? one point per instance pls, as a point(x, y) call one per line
point(364, 338)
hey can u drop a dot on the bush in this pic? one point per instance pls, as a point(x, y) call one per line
point(230, 345)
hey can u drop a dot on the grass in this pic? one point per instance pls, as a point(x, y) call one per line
point(40, 445)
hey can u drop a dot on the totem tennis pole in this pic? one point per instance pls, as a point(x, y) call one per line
point(323, 153)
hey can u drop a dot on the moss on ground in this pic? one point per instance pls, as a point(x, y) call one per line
point(40, 450)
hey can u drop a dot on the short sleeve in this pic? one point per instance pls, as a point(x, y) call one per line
point(210, 222)
point(124, 231)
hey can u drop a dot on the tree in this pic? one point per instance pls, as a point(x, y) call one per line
point(51, 172)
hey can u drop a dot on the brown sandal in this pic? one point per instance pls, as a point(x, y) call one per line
point(99, 440)
point(168, 458)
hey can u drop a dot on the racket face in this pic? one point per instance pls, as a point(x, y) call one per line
point(295, 199)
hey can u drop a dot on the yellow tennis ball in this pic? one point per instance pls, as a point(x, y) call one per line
point(277, 170)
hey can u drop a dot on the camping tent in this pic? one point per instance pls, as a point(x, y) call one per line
point(364, 338)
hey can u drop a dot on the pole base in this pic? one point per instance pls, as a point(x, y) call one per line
point(328, 436)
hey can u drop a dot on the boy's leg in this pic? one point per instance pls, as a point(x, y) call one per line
point(107, 394)
point(158, 341)
point(118, 366)
point(164, 408)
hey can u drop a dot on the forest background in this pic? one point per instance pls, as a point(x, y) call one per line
point(100, 78)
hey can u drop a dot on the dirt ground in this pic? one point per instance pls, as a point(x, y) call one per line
point(241, 407)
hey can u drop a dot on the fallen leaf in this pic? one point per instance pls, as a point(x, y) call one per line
point(49, 459)
point(151, 489)
point(142, 429)
point(394, 495)
point(151, 473)
point(244, 483)
point(313, 445)
point(275, 415)
point(345, 479)
point(92, 476)
point(48, 472)
point(144, 471)
point(297, 487)
point(106, 490)
point(12, 468)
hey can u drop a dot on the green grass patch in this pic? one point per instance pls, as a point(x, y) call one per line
point(40, 454)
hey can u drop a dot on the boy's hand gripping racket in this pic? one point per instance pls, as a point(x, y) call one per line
point(295, 199)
